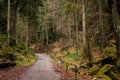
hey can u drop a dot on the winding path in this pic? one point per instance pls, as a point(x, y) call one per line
point(41, 70)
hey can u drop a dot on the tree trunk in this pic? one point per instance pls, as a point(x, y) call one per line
point(84, 27)
point(114, 18)
point(77, 35)
point(8, 23)
point(46, 26)
point(101, 27)
point(13, 31)
point(69, 33)
point(27, 37)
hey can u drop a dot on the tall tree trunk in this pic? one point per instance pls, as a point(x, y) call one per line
point(77, 35)
point(101, 27)
point(84, 27)
point(115, 18)
point(42, 37)
point(8, 23)
point(15, 20)
point(46, 26)
point(115, 23)
point(69, 33)
point(88, 49)
point(86, 43)
point(27, 37)
point(21, 31)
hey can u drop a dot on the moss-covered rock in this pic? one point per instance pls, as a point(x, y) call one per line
point(104, 69)
point(93, 70)
point(110, 51)
point(18, 54)
point(102, 77)
point(118, 63)
point(115, 76)
point(106, 77)
point(82, 72)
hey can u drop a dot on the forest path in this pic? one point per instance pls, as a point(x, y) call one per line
point(41, 70)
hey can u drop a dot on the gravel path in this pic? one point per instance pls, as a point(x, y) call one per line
point(41, 70)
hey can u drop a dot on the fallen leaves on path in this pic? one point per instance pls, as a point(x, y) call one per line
point(11, 73)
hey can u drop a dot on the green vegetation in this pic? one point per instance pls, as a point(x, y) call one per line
point(110, 51)
point(104, 69)
point(86, 33)
point(70, 56)
point(94, 70)
point(106, 77)
point(18, 54)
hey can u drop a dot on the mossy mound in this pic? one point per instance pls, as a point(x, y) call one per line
point(94, 70)
point(106, 77)
point(8, 54)
point(104, 69)
point(19, 54)
point(115, 76)
point(118, 62)
point(26, 59)
point(110, 51)
point(109, 72)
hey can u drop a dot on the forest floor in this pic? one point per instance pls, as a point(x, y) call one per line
point(42, 69)
point(12, 73)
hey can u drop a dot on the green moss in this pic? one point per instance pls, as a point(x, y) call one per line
point(18, 54)
point(106, 77)
point(115, 76)
point(70, 56)
point(82, 72)
point(93, 70)
point(118, 62)
point(74, 79)
point(110, 51)
point(104, 69)
point(8, 54)
point(26, 59)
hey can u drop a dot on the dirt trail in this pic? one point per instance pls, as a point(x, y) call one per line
point(41, 70)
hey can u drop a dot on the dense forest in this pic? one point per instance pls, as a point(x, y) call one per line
point(81, 37)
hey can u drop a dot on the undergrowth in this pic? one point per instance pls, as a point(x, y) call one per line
point(70, 56)
point(19, 54)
